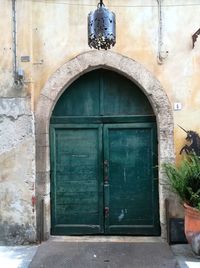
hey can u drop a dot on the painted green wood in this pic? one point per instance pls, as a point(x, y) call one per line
point(102, 119)
point(76, 180)
point(81, 98)
point(100, 93)
point(122, 97)
point(132, 186)
point(105, 100)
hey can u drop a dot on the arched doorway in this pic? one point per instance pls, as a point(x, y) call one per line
point(103, 142)
point(51, 92)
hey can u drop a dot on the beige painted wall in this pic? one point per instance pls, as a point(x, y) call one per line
point(53, 31)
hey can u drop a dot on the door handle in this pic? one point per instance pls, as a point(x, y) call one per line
point(106, 211)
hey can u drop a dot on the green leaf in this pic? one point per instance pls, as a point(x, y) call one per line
point(185, 179)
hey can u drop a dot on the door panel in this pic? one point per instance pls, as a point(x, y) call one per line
point(131, 190)
point(121, 97)
point(81, 98)
point(102, 93)
point(76, 161)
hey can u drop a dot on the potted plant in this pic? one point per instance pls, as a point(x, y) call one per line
point(185, 181)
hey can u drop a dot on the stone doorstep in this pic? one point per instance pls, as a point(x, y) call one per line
point(102, 238)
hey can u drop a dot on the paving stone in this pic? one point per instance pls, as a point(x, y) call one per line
point(62, 254)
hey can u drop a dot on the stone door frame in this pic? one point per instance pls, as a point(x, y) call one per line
point(54, 88)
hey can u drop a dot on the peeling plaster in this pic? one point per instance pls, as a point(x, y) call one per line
point(15, 131)
point(14, 107)
point(17, 176)
point(15, 234)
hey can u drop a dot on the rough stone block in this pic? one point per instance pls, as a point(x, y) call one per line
point(91, 60)
point(166, 147)
point(42, 139)
point(42, 159)
point(61, 79)
point(43, 183)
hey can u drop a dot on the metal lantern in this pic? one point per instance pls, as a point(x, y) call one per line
point(101, 28)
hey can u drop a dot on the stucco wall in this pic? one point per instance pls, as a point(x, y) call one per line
point(17, 176)
point(52, 32)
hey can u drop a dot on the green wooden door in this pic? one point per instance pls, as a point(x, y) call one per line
point(77, 187)
point(131, 179)
point(103, 159)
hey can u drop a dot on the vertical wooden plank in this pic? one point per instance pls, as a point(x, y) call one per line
point(52, 174)
point(100, 179)
point(106, 182)
point(122, 97)
point(101, 92)
point(81, 98)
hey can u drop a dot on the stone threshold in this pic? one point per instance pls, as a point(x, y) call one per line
point(103, 238)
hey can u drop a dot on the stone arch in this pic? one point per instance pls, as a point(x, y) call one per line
point(51, 92)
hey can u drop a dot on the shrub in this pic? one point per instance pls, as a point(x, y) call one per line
point(185, 179)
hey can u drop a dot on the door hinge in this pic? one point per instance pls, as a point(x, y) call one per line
point(106, 171)
point(106, 211)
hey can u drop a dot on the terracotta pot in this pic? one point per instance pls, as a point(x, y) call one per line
point(192, 222)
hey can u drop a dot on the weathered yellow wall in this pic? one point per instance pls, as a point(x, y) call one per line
point(5, 48)
point(53, 31)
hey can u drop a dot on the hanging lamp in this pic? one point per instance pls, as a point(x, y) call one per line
point(101, 28)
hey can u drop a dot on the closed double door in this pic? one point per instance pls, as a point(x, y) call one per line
point(104, 179)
